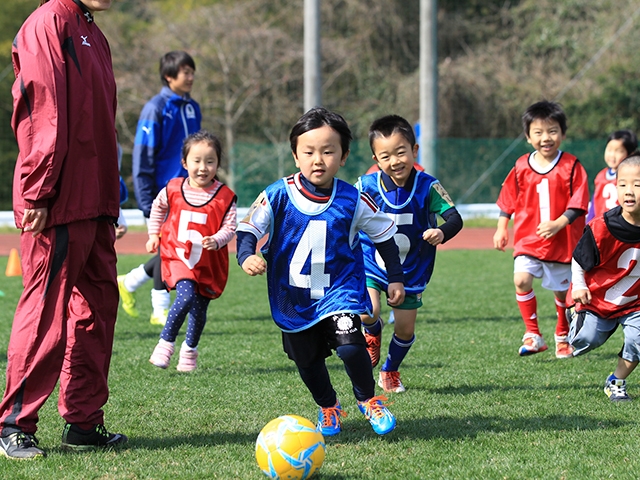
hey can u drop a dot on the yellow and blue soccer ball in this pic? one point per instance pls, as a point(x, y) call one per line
point(289, 447)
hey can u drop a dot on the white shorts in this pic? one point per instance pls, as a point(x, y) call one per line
point(555, 276)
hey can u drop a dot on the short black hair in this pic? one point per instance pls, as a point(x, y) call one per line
point(318, 117)
point(387, 126)
point(544, 110)
point(171, 62)
point(205, 137)
point(629, 140)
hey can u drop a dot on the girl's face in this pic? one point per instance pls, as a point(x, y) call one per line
point(319, 156)
point(614, 153)
point(201, 164)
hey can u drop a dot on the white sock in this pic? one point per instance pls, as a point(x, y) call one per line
point(186, 348)
point(136, 278)
point(164, 342)
point(160, 300)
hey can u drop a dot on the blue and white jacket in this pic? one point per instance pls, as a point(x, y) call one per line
point(165, 121)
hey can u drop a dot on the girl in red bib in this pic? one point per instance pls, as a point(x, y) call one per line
point(197, 218)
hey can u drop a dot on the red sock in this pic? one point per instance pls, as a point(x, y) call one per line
point(562, 327)
point(528, 307)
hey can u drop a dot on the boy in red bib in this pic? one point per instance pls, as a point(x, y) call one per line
point(548, 192)
point(605, 276)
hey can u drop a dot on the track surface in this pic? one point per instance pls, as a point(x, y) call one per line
point(134, 242)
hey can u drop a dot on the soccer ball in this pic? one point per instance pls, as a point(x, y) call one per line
point(289, 447)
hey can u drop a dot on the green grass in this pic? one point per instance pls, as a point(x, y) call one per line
point(473, 409)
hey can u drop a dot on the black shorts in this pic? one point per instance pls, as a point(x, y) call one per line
point(315, 343)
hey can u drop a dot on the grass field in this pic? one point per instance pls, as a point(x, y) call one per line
point(473, 409)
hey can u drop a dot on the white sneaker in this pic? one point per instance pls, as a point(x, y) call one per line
point(531, 344)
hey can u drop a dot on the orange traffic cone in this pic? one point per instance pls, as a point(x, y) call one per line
point(13, 265)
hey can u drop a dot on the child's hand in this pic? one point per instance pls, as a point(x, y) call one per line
point(434, 236)
point(395, 294)
point(581, 296)
point(501, 239)
point(550, 228)
point(209, 243)
point(120, 231)
point(254, 265)
point(152, 243)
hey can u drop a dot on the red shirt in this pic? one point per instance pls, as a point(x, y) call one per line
point(605, 195)
point(181, 241)
point(64, 101)
point(613, 280)
point(536, 195)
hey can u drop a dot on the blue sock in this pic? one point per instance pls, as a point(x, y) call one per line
point(612, 377)
point(398, 349)
point(375, 328)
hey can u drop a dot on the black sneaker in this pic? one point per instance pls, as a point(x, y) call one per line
point(78, 439)
point(20, 446)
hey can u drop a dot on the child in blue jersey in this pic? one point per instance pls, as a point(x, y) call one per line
point(315, 273)
point(413, 199)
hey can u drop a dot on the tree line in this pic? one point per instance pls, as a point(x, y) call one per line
point(495, 58)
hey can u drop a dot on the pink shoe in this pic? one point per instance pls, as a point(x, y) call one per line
point(187, 360)
point(161, 355)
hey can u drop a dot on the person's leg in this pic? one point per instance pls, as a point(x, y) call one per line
point(38, 336)
point(195, 327)
point(373, 327)
point(615, 386)
point(129, 283)
point(563, 349)
point(163, 351)
point(399, 345)
point(160, 296)
point(91, 323)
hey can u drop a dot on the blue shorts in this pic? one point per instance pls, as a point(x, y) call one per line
point(589, 331)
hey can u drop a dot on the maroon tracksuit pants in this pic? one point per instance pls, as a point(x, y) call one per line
point(63, 325)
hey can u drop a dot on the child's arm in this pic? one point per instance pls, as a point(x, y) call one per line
point(157, 216)
point(226, 232)
point(449, 229)
point(250, 262)
point(579, 292)
point(501, 237)
point(251, 229)
point(550, 228)
point(389, 253)
point(152, 243)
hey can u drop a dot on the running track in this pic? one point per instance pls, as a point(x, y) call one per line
point(134, 242)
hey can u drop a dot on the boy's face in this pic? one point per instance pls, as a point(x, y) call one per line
point(395, 156)
point(183, 83)
point(614, 153)
point(319, 156)
point(545, 135)
point(96, 5)
point(628, 186)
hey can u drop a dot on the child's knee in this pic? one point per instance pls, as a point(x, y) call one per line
point(523, 281)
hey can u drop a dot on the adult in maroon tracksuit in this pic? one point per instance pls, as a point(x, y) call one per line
point(65, 200)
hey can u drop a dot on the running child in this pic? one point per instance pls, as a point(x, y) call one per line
point(164, 123)
point(197, 218)
point(413, 199)
point(315, 274)
point(620, 145)
point(605, 280)
point(549, 194)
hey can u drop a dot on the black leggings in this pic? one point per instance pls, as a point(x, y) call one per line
point(153, 268)
point(357, 363)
